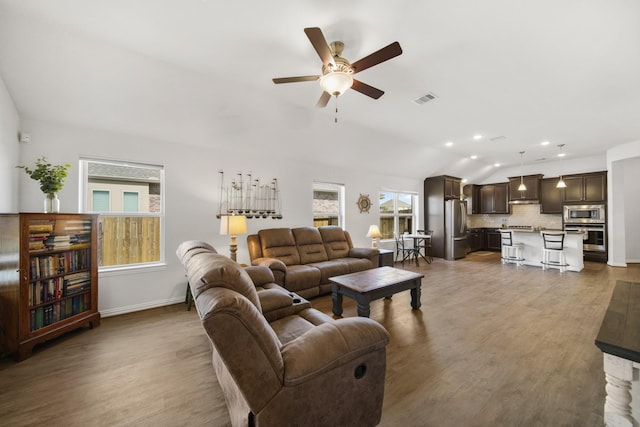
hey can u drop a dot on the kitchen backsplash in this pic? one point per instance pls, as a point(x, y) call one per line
point(520, 215)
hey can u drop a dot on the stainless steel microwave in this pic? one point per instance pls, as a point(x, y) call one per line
point(584, 214)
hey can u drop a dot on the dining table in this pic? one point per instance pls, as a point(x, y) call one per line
point(420, 241)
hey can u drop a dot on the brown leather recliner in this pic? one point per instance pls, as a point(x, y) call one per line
point(300, 367)
point(302, 259)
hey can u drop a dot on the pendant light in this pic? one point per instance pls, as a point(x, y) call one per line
point(561, 183)
point(521, 187)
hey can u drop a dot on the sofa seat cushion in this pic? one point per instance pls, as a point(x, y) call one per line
point(279, 243)
point(291, 327)
point(331, 268)
point(300, 277)
point(357, 264)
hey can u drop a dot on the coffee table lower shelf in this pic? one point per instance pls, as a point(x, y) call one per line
point(369, 285)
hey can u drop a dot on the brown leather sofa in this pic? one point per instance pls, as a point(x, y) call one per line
point(302, 259)
point(280, 362)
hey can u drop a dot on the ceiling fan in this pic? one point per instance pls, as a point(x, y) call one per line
point(337, 72)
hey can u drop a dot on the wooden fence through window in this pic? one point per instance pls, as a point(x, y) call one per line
point(128, 240)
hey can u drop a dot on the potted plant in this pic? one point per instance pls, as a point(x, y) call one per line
point(51, 179)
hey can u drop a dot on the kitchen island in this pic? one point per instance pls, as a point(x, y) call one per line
point(532, 250)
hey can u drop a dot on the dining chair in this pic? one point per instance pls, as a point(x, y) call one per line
point(403, 252)
point(425, 244)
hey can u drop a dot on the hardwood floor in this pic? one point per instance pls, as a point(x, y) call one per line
point(492, 345)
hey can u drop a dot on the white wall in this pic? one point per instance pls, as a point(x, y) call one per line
point(631, 178)
point(191, 194)
point(623, 202)
point(9, 152)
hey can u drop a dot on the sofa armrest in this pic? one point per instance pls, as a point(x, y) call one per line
point(278, 268)
point(273, 263)
point(260, 274)
point(370, 253)
point(329, 345)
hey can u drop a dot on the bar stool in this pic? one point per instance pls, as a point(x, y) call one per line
point(553, 250)
point(511, 252)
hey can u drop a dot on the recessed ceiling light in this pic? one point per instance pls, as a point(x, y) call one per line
point(474, 157)
point(561, 155)
point(448, 144)
point(464, 180)
point(544, 143)
point(477, 137)
point(496, 165)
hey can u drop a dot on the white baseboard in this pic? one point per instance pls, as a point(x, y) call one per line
point(617, 264)
point(140, 307)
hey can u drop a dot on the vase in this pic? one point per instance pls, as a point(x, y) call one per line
point(51, 203)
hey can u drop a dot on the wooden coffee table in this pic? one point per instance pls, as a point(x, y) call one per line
point(366, 286)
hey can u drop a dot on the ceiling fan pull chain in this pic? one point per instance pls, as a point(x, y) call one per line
point(336, 118)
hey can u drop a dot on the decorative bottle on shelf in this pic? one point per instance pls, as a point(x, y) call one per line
point(51, 203)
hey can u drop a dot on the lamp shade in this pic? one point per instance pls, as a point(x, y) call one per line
point(374, 232)
point(233, 224)
point(336, 83)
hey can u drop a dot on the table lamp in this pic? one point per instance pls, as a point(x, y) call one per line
point(374, 233)
point(232, 225)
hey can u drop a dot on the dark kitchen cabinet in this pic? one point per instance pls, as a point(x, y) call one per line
point(494, 198)
point(451, 187)
point(532, 193)
point(588, 187)
point(438, 189)
point(472, 197)
point(551, 197)
point(476, 239)
point(493, 240)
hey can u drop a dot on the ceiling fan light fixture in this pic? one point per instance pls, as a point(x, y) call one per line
point(336, 82)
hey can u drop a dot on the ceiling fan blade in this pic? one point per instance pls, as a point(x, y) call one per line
point(295, 79)
point(324, 100)
point(384, 54)
point(320, 45)
point(365, 89)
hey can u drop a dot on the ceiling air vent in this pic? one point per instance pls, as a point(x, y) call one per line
point(425, 98)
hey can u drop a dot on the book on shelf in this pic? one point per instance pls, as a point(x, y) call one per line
point(44, 227)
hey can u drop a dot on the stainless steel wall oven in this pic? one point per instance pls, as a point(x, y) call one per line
point(593, 236)
point(590, 220)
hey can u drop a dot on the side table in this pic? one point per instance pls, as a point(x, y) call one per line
point(385, 258)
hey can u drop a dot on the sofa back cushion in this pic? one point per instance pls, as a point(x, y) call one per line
point(189, 248)
point(253, 244)
point(279, 243)
point(246, 343)
point(336, 242)
point(210, 270)
point(310, 245)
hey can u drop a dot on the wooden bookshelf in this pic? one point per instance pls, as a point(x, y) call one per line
point(48, 278)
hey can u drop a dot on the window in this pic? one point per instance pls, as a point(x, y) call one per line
point(130, 201)
point(100, 200)
point(128, 197)
point(398, 213)
point(328, 204)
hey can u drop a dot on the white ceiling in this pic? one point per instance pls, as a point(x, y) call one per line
point(199, 72)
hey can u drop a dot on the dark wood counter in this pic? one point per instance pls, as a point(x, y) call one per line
point(620, 330)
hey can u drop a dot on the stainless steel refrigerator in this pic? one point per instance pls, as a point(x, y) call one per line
point(455, 229)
